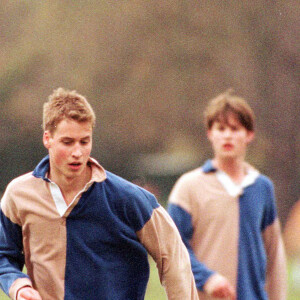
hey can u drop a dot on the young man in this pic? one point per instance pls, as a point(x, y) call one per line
point(83, 232)
point(226, 213)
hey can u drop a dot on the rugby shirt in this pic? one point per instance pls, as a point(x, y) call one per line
point(234, 232)
point(97, 249)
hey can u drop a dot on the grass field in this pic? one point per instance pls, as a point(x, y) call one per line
point(156, 292)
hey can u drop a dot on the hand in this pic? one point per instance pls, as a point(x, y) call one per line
point(224, 290)
point(218, 286)
point(28, 293)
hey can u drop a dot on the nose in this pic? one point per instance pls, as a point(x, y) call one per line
point(77, 151)
point(227, 132)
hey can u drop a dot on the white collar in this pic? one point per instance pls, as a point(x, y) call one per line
point(231, 187)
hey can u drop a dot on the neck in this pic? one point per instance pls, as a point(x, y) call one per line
point(235, 169)
point(71, 185)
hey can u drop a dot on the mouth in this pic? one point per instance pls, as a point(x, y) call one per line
point(75, 165)
point(227, 146)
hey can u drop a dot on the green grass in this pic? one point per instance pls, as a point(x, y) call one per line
point(156, 291)
point(294, 279)
point(3, 296)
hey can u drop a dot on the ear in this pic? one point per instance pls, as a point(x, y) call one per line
point(46, 139)
point(208, 134)
point(250, 136)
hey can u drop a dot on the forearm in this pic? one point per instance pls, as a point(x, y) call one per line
point(183, 221)
point(206, 279)
point(276, 283)
point(11, 256)
point(11, 277)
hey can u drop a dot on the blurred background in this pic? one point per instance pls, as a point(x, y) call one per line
point(148, 68)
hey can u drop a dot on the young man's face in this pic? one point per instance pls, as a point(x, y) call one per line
point(69, 148)
point(229, 139)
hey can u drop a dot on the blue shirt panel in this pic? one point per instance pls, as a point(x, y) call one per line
point(257, 211)
point(104, 256)
point(11, 253)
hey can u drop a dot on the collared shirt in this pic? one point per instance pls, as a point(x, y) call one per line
point(95, 248)
point(231, 229)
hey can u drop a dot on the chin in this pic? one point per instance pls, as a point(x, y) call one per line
point(229, 156)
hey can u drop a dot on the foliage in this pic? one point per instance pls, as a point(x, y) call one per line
point(148, 69)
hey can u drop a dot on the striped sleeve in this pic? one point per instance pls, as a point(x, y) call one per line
point(11, 250)
point(183, 222)
point(180, 208)
point(276, 279)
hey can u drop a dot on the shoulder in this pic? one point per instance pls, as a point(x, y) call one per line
point(124, 190)
point(192, 176)
point(14, 193)
point(194, 180)
point(18, 183)
point(261, 179)
point(131, 203)
point(189, 189)
point(122, 185)
point(264, 189)
point(264, 182)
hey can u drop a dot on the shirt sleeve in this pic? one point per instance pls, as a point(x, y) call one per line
point(11, 252)
point(183, 222)
point(276, 279)
point(180, 208)
point(163, 242)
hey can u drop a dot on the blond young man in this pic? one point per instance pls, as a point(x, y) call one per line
point(83, 232)
point(226, 213)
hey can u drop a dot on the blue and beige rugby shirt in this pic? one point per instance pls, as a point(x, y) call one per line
point(231, 229)
point(96, 248)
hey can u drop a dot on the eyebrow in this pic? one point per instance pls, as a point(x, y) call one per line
point(70, 138)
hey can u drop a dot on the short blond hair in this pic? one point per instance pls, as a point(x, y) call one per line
point(220, 107)
point(66, 104)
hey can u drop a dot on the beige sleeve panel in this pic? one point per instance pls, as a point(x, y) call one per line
point(180, 193)
point(163, 242)
point(8, 202)
point(28, 203)
point(276, 283)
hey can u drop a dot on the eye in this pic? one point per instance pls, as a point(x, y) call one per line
point(67, 142)
point(84, 142)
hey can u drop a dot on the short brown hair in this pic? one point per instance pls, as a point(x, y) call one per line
point(66, 104)
point(227, 103)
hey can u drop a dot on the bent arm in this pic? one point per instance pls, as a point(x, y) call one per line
point(207, 280)
point(276, 273)
point(11, 257)
point(276, 283)
point(163, 242)
point(183, 222)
